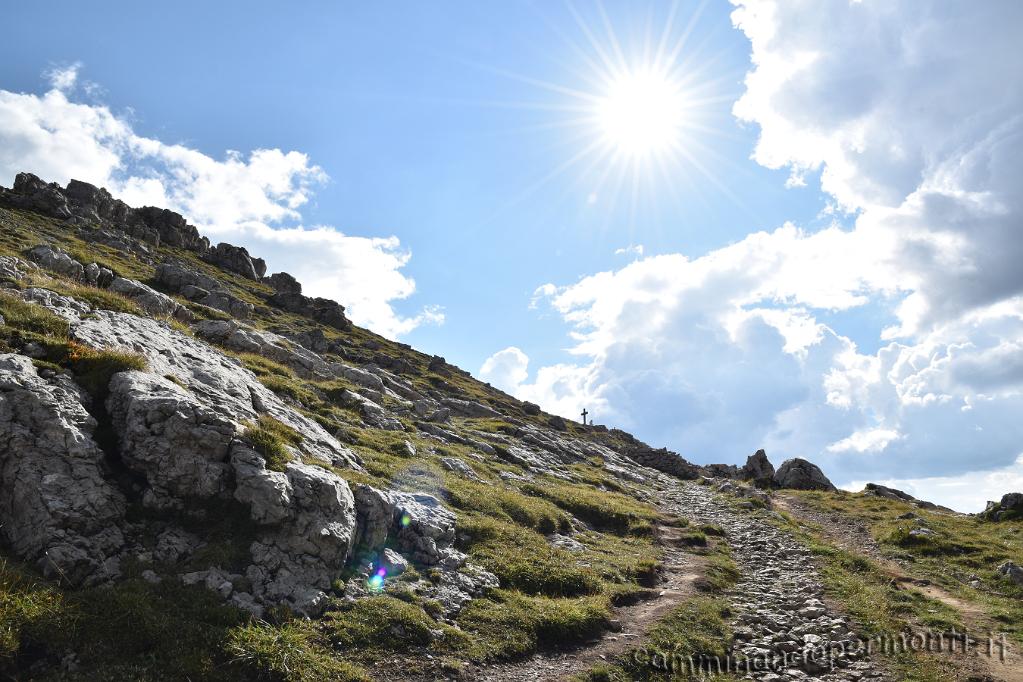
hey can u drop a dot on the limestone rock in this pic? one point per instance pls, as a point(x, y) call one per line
point(14, 269)
point(460, 467)
point(216, 381)
point(758, 468)
point(200, 288)
point(165, 433)
point(56, 260)
point(56, 507)
point(150, 300)
point(1011, 571)
point(236, 259)
point(419, 524)
point(232, 335)
point(799, 474)
point(1010, 507)
point(297, 561)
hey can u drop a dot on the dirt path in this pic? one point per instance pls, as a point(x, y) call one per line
point(633, 622)
point(854, 536)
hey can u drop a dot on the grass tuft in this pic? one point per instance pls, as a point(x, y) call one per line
point(272, 438)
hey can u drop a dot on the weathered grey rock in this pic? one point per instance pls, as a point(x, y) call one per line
point(461, 468)
point(267, 344)
point(323, 310)
point(174, 545)
point(150, 300)
point(236, 259)
point(98, 276)
point(31, 193)
point(1011, 571)
point(14, 269)
point(469, 408)
point(392, 562)
point(297, 562)
point(887, 493)
point(218, 382)
point(165, 433)
point(799, 474)
point(56, 508)
point(758, 468)
point(284, 283)
point(200, 288)
point(1010, 507)
point(64, 306)
point(419, 524)
point(56, 260)
point(372, 413)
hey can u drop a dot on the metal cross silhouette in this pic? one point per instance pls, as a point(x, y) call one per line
point(584, 416)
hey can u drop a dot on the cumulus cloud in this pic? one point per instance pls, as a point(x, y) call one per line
point(253, 200)
point(909, 113)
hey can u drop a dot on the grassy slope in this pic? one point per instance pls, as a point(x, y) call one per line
point(142, 631)
point(962, 549)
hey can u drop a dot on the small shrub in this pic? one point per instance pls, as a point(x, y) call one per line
point(271, 439)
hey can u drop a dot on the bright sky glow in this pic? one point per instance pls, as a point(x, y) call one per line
point(719, 225)
point(642, 113)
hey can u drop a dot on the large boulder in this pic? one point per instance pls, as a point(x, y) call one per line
point(799, 474)
point(31, 193)
point(166, 434)
point(56, 260)
point(1010, 507)
point(758, 468)
point(300, 555)
point(56, 508)
point(236, 259)
point(201, 288)
point(150, 300)
point(1011, 572)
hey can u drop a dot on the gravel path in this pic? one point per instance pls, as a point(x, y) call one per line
point(782, 623)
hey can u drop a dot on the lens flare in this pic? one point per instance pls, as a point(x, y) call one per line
point(642, 113)
point(405, 520)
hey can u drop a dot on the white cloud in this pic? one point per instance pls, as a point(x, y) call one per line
point(910, 113)
point(865, 440)
point(507, 369)
point(630, 250)
point(252, 200)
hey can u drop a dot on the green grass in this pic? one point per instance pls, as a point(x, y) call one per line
point(28, 317)
point(291, 653)
point(696, 630)
point(961, 547)
point(94, 368)
point(507, 504)
point(523, 560)
point(272, 439)
point(604, 509)
point(512, 624)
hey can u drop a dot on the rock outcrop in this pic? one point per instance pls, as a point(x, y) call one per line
point(1009, 507)
point(92, 206)
point(758, 469)
point(878, 490)
point(799, 474)
point(57, 508)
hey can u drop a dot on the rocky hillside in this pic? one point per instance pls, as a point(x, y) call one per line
point(207, 475)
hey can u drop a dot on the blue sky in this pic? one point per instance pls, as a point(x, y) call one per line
point(839, 188)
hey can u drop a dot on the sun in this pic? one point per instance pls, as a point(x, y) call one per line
point(641, 113)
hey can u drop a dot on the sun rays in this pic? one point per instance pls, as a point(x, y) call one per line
point(634, 121)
